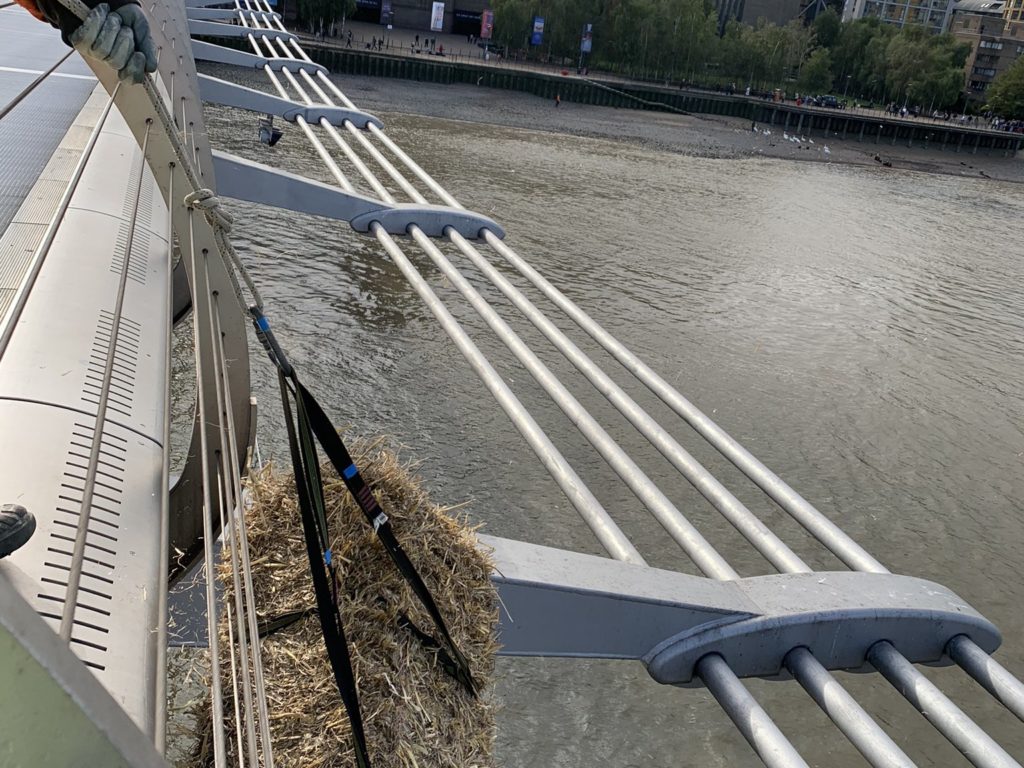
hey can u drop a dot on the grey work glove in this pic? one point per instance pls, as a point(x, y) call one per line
point(119, 38)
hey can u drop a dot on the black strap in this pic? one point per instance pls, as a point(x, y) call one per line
point(311, 420)
point(362, 493)
point(268, 627)
point(309, 488)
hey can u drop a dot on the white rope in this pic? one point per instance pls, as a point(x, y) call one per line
point(221, 221)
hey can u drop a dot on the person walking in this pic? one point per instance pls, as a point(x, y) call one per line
point(558, 100)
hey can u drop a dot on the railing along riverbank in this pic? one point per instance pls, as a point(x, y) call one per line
point(862, 126)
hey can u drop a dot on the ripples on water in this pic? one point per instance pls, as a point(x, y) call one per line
point(859, 329)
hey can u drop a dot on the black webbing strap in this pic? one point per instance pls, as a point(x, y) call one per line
point(361, 492)
point(309, 488)
point(268, 627)
point(309, 421)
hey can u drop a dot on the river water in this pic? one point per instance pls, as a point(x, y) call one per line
point(861, 331)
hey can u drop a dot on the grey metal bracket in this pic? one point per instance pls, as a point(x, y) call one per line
point(256, 183)
point(558, 603)
point(217, 29)
point(204, 51)
point(42, 682)
point(205, 3)
point(181, 293)
point(219, 91)
point(224, 14)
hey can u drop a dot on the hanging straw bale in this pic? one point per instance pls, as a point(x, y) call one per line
point(415, 715)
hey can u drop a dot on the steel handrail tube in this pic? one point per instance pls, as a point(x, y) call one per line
point(753, 722)
point(756, 532)
point(976, 745)
point(74, 576)
point(990, 674)
point(243, 545)
point(596, 517)
point(857, 725)
point(226, 501)
point(697, 548)
point(213, 638)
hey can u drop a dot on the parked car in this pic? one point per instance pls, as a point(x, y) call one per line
point(828, 101)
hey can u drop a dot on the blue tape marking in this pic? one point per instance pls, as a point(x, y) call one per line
point(350, 471)
point(327, 557)
point(263, 323)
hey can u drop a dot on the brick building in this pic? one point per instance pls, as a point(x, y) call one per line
point(996, 36)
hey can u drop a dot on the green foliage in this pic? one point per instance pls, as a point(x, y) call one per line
point(827, 26)
point(1006, 94)
point(678, 40)
point(924, 69)
point(816, 75)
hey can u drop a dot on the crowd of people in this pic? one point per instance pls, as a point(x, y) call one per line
point(986, 120)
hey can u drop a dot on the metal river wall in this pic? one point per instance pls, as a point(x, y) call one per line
point(871, 128)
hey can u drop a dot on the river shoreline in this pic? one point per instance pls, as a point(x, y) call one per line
point(712, 136)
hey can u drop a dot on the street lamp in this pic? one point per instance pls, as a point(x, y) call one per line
point(847, 88)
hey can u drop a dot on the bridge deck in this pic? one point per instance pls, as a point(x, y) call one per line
point(75, 359)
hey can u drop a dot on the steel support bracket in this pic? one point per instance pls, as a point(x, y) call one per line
point(224, 14)
point(213, 89)
point(42, 682)
point(256, 183)
point(218, 29)
point(558, 603)
point(204, 51)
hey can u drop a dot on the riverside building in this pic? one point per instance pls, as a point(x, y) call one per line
point(933, 15)
point(995, 32)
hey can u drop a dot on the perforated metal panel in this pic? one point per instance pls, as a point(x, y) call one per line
point(52, 378)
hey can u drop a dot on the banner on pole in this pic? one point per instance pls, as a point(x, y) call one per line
point(437, 17)
point(486, 24)
point(537, 37)
point(587, 39)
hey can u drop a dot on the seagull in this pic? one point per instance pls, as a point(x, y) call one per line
point(785, 137)
point(827, 151)
point(811, 141)
point(767, 132)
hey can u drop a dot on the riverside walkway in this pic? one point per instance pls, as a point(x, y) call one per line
point(464, 63)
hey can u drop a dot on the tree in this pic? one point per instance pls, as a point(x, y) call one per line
point(859, 53)
point(1006, 94)
point(926, 70)
point(827, 26)
point(816, 75)
point(320, 14)
point(512, 22)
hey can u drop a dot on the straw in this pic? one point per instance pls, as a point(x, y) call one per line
point(415, 715)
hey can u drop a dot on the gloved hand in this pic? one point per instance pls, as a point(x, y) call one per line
point(120, 38)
